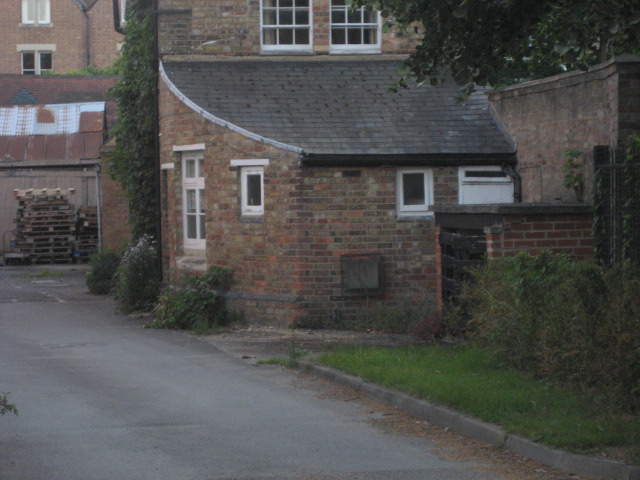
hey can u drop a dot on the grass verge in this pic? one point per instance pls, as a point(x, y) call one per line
point(469, 380)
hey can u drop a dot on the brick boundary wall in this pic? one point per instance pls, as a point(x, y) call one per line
point(572, 111)
point(514, 228)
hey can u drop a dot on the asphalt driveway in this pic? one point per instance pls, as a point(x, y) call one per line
point(101, 398)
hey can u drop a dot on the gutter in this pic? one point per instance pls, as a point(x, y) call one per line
point(413, 159)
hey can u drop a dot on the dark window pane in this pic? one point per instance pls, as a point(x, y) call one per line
point(286, 3)
point(413, 188)
point(302, 36)
point(269, 17)
point(370, 36)
point(46, 62)
point(254, 190)
point(285, 37)
point(286, 17)
point(28, 61)
point(338, 16)
point(354, 36)
point(338, 36)
point(354, 17)
point(302, 17)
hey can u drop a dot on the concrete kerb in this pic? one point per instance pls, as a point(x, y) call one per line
point(482, 431)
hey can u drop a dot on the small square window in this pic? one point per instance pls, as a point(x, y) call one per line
point(36, 63)
point(414, 191)
point(36, 12)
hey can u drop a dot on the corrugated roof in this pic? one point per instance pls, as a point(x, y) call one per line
point(51, 119)
point(338, 107)
point(44, 133)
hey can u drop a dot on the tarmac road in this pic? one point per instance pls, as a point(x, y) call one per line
point(101, 398)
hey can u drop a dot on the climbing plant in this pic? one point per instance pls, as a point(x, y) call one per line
point(133, 161)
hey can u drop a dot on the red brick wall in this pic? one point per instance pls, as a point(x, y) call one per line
point(570, 234)
point(67, 31)
point(576, 111)
point(287, 267)
point(115, 209)
point(232, 27)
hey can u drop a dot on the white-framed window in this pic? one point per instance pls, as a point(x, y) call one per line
point(354, 29)
point(414, 189)
point(251, 185)
point(36, 12)
point(482, 185)
point(286, 25)
point(252, 190)
point(36, 62)
point(193, 195)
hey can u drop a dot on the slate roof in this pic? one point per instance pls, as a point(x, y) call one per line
point(340, 108)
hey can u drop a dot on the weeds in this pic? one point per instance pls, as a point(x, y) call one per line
point(138, 277)
point(5, 406)
point(195, 303)
point(101, 278)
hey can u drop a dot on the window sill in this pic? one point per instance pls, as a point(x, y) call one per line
point(416, 218)
point(251, 219)
point(192, 263)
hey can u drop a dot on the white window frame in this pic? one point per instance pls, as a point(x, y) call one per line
point(347, 48)
point(195, 184)
point(420, 209)
point(37, 62)
point(487, 181)
point(277, 27)
point(248, 167)
point(246, 208)
point(36, 12)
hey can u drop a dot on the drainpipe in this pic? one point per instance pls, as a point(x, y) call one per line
point(87, 36)
point(116, 17)
point(517, 182)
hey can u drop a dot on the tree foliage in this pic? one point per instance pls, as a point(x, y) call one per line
point(133, 161)
point(498, 42)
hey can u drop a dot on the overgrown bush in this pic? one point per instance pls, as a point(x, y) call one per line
point(101, 278)
point(138, 277)
point(562, 319)
point(195, 303)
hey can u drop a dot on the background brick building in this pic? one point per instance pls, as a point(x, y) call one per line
point(286, 159)
point(57, 35)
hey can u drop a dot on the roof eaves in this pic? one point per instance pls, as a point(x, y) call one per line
point(219, 121)
point(407, 160)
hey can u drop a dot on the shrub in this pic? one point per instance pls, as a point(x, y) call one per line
point(138, 277)
point(195, 303)
point(101, 278)
point(562, 319)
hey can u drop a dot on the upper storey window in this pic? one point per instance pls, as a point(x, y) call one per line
point(286, 25)
point(354, 29)
point(36, 12)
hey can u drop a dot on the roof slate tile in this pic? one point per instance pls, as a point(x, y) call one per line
point(347, 105)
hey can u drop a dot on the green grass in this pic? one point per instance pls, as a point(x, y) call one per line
point(469, 380)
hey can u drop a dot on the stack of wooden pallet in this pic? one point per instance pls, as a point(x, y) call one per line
point(45, 224)
point(86, 242)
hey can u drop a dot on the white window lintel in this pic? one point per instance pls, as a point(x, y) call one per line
point(188, 148)
point(257, 162)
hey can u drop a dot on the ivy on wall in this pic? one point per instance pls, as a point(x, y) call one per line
point(133, 162)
